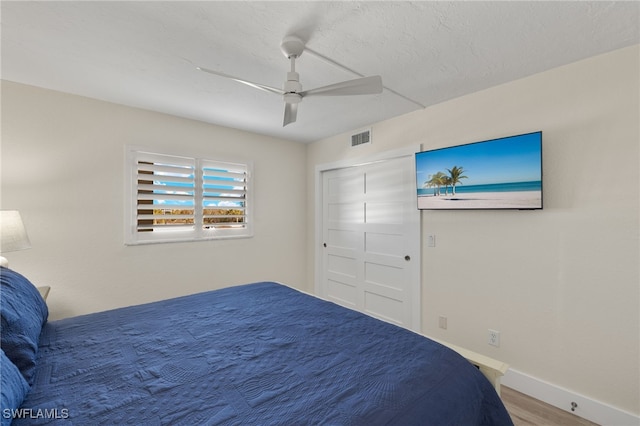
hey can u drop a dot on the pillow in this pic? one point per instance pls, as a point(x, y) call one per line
point(23, 312)
point(13, 388)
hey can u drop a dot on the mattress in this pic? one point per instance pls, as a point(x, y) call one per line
point(256, 354)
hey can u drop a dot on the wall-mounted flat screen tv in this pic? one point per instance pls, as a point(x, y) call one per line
point(503, 173)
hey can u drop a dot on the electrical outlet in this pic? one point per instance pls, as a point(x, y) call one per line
point(494, 337)
point(442, 322)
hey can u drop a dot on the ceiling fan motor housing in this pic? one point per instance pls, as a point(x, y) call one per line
point(292, 85)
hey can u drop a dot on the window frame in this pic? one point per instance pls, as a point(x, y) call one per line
point(197, 232)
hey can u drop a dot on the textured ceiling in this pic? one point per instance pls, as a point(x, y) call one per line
point(144, 54)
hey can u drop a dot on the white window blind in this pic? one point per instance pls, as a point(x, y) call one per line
point(224, 195)
point(177, 198)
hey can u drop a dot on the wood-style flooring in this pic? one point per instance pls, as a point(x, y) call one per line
point(528, 411)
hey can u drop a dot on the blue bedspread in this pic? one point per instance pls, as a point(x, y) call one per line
point(258, 354)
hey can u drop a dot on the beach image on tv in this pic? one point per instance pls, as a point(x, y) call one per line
point(502, 173)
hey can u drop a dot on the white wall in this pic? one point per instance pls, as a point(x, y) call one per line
point(561, 284)
point(63, 169)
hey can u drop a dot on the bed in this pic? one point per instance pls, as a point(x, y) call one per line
point(255, 354)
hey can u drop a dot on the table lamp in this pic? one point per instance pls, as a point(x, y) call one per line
point(13, 235)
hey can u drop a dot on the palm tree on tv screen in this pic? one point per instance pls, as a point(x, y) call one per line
point(446, 181)
point(455, 174)
point(436, 180)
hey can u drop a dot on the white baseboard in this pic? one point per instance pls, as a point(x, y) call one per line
point(587, 408)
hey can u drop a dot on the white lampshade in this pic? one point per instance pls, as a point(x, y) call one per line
point(13, 235)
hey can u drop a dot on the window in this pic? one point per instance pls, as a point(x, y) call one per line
point(174, 198)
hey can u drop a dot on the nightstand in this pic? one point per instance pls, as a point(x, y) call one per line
point(44, 291)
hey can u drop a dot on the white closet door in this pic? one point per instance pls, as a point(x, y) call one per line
point(371, 240)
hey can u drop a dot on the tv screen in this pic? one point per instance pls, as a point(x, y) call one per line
point(503, 173)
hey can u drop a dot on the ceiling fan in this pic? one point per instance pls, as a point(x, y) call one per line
point(292, 47)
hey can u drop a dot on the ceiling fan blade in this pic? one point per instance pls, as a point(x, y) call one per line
point(290, 113)
point(360, 86)
point(248, 83)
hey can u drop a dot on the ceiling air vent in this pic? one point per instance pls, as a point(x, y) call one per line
point(361, 138)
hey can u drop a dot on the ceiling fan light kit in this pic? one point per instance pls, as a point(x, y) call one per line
point(292, 93)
